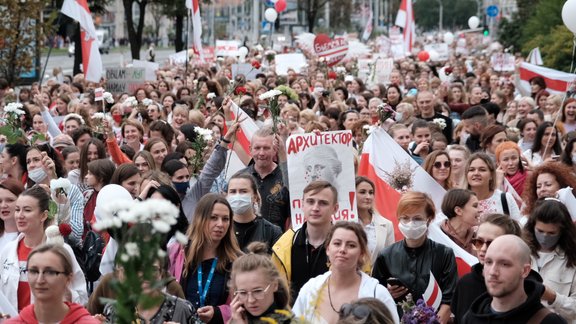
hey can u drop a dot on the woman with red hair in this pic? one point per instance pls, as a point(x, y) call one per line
point(510, 166)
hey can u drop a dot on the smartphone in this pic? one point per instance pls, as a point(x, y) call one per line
point(395, 282)
point(555, 157)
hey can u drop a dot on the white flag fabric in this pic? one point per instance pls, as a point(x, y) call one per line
point(433, 294)
point(557, 82)
point(535, 57)
point(91, 59)
point(405, 19)
point(196, 26)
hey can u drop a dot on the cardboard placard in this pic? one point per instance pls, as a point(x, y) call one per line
point(150, 68)
point(246, 69)
point(295, 61)
point(227, 48)
point(124, 80)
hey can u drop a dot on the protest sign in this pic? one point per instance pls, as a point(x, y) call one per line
point(440, 48)
point(150, 68)
point(120, 80)
point(384, 67)
point(295, 61)
point(178, 58)
point(332, 50)
point(245, 69)
point(325, 156)
point(502, 62)
point(227, 48)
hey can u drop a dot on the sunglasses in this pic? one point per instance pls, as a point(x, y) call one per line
point(439, 164)
point(478, 243)
point(360, 312)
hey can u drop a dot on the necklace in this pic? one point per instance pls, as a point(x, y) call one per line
point(330, 298)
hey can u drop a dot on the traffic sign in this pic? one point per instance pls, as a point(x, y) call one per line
point(492, 11)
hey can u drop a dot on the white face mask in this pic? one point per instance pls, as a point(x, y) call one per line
point(37, 175)
point(413, 230)
point(240, 204)
point(398, 116)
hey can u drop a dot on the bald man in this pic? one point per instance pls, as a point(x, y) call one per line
point(510, 299)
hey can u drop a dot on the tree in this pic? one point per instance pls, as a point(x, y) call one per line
point(454, 16)
point(312, 9)
point(135, 30)
point(509, 32)
point(555, 47)
point(545, 16)
point(340, 11)
point(20, 33)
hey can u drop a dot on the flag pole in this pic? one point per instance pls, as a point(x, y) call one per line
point(41, 76)
point(187, 32)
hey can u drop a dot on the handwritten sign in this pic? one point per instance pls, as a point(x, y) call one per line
point(332, 50)
point(502, 62)
point(296, 61)
point(326, 156)
point(227, 48)
point(150, 68)
point(120, 80)
point(245, 69)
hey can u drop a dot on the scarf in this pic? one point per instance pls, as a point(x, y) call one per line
point(517, 181)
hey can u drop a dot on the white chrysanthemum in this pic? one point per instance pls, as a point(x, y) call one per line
point(181, 238)
point(161, 226)
point(211, 95)
point(340, 69)
point(205, 133)
point(130, 102)
point(161, 253)
point(98, 115)
point(147, 102)
point(270, 94)
point(108, 97)
point(132, 249)
point(60, 183)
point(14, 107)
point(124, 258)
point(440, 122)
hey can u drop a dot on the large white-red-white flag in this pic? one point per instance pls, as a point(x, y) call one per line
point(556, 81)
point(382, 159)
point(433, 294)
point(405, 19)
point(91, 59)
point(196, 26)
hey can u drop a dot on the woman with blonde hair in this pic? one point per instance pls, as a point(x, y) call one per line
point(459, 154)
point(203, 266)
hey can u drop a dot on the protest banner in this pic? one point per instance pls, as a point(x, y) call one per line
point(557, 82)
point(178, 58)
point(245, 69)
point(333, 50)
point(440, 48)
point(384, 67)
point(150, 68)
point(120, 80)
point(295, 61)
point(325, 156)
point(502, 62)
point(227, 48)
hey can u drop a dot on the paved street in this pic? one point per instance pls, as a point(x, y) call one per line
point(114, 59)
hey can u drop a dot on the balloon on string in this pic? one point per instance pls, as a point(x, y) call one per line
point(270, 15)
point(423, 56)
point(280, 5)
point(448, 38)
point(568, 11)
point(243, 51)
point(473, 22)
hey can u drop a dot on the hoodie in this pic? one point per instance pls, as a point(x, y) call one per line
point(76, 315)
point(481, 311)
point(470, 287)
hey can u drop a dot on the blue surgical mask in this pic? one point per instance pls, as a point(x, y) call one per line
point(181, 187)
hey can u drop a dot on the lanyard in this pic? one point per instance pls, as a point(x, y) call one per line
point(204, 292)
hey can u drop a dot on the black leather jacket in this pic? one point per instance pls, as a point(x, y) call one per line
point(262, 231)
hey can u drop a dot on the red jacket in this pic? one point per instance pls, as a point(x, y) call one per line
point(77, 314)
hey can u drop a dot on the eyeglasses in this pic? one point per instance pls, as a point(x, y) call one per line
point(479, 243)
point(257, 294)
point(47, 274)
point(360, 312)
point(439, 164)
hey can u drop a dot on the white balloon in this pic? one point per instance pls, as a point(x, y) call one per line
point(243, 51)
point(434, 56)
point(448, 38)
point(271, 14)
point(473, 22)
point(568, 12)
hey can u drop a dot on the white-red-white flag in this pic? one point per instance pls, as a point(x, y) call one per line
point(247, 127)
point(91, 59)
point(405, 19)
point(433, 294)
point(369, 25)
point(557, 82)
point(383, 158)
point(196, 26)
point(535, 57)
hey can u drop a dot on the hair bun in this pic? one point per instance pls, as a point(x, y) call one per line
point(257, 248)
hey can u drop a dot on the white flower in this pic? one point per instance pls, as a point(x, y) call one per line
point(161, 253)
point(98, 115)
point(211, 95)
point(440, 122)
point(130, 102)
point(340, 69)
point(60, 183)
point(132, 249)
point(124, 258)
point(369, 128)
point(14, 107)
point(147, 102)
point(270, 94)
point(181, 238)
point(161, 226)
point(108, 97)
point(205, 133)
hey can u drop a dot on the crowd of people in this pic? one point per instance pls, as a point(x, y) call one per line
point(506, 161)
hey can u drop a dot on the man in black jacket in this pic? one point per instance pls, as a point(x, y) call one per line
point(510, 298)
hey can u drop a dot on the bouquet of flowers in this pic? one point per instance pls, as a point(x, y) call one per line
point(98, 122)
point(203, 138)
point(385, 111)
point(441, 123)
point(417, 313)
point(401, 178)
point(12, 125)
point(272, 97)
point(140, 228)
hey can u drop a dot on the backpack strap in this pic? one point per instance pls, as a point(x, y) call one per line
point(505, 208)
point(539, 316)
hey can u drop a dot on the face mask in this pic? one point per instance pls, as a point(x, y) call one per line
point(240, 203)
point(547, 242)
point(37, 175)
point(413, 231)
point(573, 157)
point(398, 116)
point(181, 187)
point(117, 118)
point(2, 147)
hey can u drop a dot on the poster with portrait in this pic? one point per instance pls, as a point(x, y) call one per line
point(324, 156)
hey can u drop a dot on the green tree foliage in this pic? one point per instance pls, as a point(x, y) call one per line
point(555, 47)
point(509, 32)
point(545, 16)
point(20, 33)
point(455, 13)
